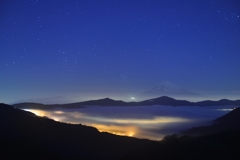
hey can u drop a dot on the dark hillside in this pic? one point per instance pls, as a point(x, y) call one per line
point(219, 141)
point(61, 139)
point(229, 121)
point(220, 146)
point(25, 135)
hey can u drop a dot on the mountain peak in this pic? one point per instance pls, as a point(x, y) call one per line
point(104, 102)
point(168, 89)
point(106, 98)
point(166, 86)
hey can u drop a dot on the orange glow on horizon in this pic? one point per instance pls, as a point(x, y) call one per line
point(117, 130)
point(131, 127)
point(118, 133)
point(40, 113)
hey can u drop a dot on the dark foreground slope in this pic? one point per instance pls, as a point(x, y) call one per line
point(220, 146)
point(229, 121)
point(25, 135)
point(219, 141)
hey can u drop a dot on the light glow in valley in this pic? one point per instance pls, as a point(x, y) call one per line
point(152, 122)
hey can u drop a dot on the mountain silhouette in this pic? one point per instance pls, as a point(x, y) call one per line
point(221, 145)
point(47, 100)
point(168, 89)
point(164, 100)
point(99, 102)
point(229, 121)
point(107, 102)
point(222, 102)
point(56, 139)
point(219, 141)
point(24, 135)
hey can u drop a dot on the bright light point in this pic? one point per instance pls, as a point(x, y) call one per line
point(37, 112)
point(56, 119)
point(131, 134)
point(226, 109)
point(132, 98)
point(59, 112)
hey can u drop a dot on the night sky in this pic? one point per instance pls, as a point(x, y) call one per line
point(85, 49)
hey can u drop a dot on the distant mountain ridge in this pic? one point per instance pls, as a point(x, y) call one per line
point(48, 100)
point(168, 89)
point(106, 102)
point(164, 100)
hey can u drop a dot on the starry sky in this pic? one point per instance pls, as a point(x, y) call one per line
point(84, 49)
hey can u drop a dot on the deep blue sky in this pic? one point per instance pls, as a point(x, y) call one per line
point(89, 48)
